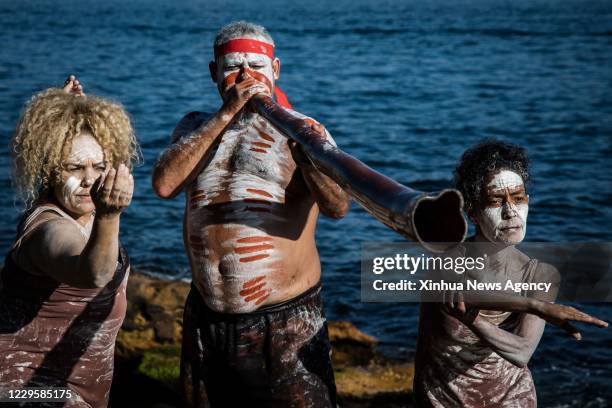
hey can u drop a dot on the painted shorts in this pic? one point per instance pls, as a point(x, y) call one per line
point(278, 356)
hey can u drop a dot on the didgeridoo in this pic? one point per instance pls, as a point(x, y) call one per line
point(435, 220)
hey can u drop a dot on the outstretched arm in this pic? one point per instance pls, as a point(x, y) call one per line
point(517, 347)
point(331, 199)
point(58, 249)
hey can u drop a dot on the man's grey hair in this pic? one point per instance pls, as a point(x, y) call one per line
point(240, 29)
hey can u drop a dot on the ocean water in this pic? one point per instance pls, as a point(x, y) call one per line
point(405, 86)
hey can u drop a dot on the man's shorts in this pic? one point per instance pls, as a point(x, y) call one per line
point(278, 356)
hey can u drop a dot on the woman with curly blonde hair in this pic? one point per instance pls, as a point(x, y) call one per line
point(62, 293)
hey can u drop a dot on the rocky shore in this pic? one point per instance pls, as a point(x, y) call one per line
point(148, 349)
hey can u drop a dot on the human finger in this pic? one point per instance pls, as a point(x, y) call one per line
point(571, 330)
point(96, 184)
point(77, 87)
point(109, 181)
point(580, 316)
point(121, 183)
point(130, 190)
point(319, 128)
point(245, 85)
point(298, 153)
point(315, 125)
point(68, 83)
point(107, 169)
point(259, 88)
point(97, 189)
point(450, 299)
point(244, 91)
point(241, 80)
point(461, 303)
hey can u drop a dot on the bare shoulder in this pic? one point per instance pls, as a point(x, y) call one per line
point(55, 236)
point(188, 124)
point(546, 272)
point(520, 256)
point(55, 233)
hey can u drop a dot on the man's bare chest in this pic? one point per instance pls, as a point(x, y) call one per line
point(251, 158)
point(254, 150)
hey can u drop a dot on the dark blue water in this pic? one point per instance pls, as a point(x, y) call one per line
point(404, 86)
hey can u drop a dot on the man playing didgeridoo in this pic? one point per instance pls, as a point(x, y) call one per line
point(254, 331)
point(473, 350)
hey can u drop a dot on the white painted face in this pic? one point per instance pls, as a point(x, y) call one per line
point(503, 217)
point(259, 66)
point(84, 164)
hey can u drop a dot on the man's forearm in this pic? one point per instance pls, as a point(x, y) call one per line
point(180, 162)
point(332, 200)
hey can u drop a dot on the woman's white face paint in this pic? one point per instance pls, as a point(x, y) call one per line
point(504, 218)
point(70, 187)
point(84, 164)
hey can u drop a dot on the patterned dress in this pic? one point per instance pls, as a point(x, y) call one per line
point(57, 335)
point(455, 368)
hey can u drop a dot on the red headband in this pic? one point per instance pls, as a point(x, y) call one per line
point(245, 45)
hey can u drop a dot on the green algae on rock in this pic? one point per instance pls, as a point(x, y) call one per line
point(147, 354)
